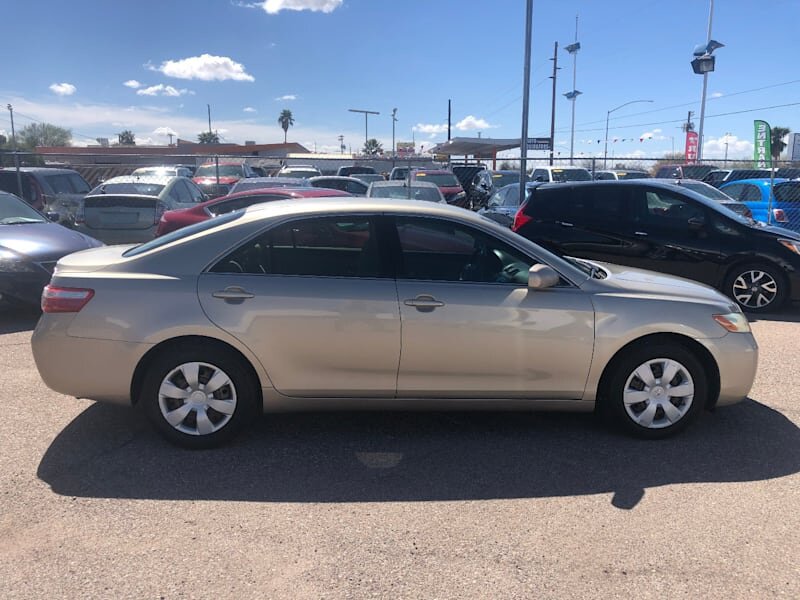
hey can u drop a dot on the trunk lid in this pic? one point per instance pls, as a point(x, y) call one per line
point(110, 211)
point(93, 259)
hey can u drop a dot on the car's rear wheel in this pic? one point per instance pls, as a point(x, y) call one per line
point(198, 397)
point(657, 390)
point(756, 287)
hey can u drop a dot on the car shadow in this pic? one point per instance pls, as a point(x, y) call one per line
point(14, 319)
point(787, 314)
point(111, 452)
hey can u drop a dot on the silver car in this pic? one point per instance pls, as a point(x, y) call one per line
point(127, 209)
point(373, 304)
point(416, 190)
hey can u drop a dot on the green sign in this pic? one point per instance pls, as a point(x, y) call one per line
point(762, 153)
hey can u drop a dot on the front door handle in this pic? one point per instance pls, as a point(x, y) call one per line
point(640, 233)
point(565, 224)
point(424, 303)
point(233, 293)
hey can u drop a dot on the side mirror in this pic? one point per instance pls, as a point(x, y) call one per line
point(542, 276)
point(53, 216)
point(696, 223)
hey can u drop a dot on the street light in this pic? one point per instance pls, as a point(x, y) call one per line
point(394, 120)
point(703, 64)
point(367, 113)
point(608, 114)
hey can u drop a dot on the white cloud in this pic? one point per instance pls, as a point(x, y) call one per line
point(162, 90)
point(249, 109)
point(430, 128)
point(287, 97)
point(717, 95)
point(63, 89)
point(273, 7)
point(470, 122)
point(205, 67)
point(652, 135)
point(133, 84)
point(715, 147)
point(165, 132)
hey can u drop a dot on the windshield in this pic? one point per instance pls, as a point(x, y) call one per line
point(440, 179)
point(413, 192)
point(224, 171)
point(184, 232)
point(67, 183)
point(303, 173)
point(503, 179)
point(632, 175)
point(133, 187)
point(161, 172)
point(14, 211)
point(571, 175)
point(709, 191)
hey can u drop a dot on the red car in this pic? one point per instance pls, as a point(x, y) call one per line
point(447, 182)
point(176, 219)
point(229, 173)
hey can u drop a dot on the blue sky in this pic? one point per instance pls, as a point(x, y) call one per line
point(67, 63)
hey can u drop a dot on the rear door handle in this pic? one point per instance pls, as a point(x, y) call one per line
point(640, 233)
point(565, 224)
point(233, 293)
point(424, 303)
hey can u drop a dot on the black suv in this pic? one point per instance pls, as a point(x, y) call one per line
point(661, 227)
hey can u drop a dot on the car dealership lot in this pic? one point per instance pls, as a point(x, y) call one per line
point(94, 503)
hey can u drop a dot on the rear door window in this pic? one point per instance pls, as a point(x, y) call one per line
point(788, 192)
point(751, 193)
point(735, 191)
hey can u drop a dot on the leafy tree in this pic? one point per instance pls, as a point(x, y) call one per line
point(670, 158)
point(43, 134)
point(207, 137)
point(286, 120)
point(778, 145)
point(126, 138)
point(372, 147)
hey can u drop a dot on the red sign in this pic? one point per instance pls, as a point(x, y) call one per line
point(691, 147)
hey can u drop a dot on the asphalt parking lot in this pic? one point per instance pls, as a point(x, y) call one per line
point(396, 505)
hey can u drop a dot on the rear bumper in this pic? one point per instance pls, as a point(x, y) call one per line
point(81, 367)
point(736, 355)
point(119, 236)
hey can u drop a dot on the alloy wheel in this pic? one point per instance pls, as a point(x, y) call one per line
point(755, 289)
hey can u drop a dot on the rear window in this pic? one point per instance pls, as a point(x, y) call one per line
point(440, 179)
point(562, 175)
point(184, 232)
point(67, 183)
point(601, 203)
point(787, 192)
point(140, 188)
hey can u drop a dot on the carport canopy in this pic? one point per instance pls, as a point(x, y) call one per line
point(477, 147)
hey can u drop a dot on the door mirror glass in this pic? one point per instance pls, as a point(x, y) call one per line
point(542, 276)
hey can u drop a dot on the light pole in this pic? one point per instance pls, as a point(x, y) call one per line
point(14, 145)
point(573, 95)
point(526, 93)
point(703, 64)
point(367, 113)
point(608, 114)
point(727, 135)
point(394, 120)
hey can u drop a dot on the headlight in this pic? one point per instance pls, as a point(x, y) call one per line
point(733, 322)
point(791, 245)
point(11, 262)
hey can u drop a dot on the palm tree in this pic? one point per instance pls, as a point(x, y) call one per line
point(372, 147)
point(207, 137)
point(286, 120)
point(126, 138)
point(776, 138)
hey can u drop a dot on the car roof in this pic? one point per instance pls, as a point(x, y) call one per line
point(339, 177)
point(760, 181)
point(435, 171)
point(237, 163)
point(157, 179)
point(400, 183)
point(44, 170)
point(273, 180)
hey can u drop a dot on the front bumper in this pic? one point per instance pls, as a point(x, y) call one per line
point(736, 355)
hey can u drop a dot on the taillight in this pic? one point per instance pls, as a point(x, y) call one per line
point(64, 300)
point(80, 214)
point(161, 208)
point(521, 219)
point(779, 215)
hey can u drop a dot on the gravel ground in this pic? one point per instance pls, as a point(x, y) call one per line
point(486, 505)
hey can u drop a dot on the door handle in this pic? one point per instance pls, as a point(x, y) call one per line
point(565, 224)
point(640, 233)
point(233, 293)
point(424, 303)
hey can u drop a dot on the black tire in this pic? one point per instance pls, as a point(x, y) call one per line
point(620, 382)
point(240, 392)
point(739, 276)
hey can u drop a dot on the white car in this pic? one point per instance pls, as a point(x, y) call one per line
point(560, 174)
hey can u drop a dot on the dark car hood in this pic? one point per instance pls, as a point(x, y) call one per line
point(779, 231)
point(44, 241)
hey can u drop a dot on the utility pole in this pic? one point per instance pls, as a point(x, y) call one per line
point(727, 135)
point(526, 94)
point(448, 120)
point(16, 155)
point(394, 120)
point(553, 106)
point(209, 118)
point(573, 95)
point(705, 87)
point(170, 138)
point(342, 147)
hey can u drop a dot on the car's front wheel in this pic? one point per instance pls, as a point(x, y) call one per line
point(756, 287)
point(657, 390)
point(198, 397)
